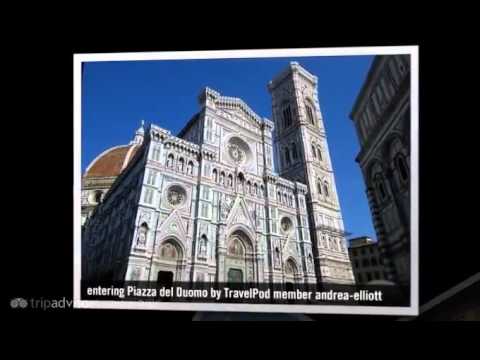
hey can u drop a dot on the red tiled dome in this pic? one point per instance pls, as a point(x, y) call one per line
point(112, 161)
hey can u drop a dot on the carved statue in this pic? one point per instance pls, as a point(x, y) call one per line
point(277, 258)
point(141, 238)
point(309, 263)
point(203, 248)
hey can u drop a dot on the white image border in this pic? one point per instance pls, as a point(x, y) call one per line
point(412, 310)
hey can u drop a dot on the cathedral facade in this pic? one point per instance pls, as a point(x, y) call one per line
point(232, 198)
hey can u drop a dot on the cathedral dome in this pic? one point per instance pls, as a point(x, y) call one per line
point(111, 162)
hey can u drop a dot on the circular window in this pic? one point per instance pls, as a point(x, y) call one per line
point(238, 151)
point(286, 225)
point(176, 195)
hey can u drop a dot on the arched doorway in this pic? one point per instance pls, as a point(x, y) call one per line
point(291, 273)
point(239, 266)
point(167, 265)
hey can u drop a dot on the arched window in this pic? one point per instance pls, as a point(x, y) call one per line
point(181, 164)
point(249, 187)
point(279, 196)
point(287, 117)
point(230, 180)
point(401, 165)
point(255, 189)
point(325, 188)
point(241, 180)
point(98, 196)
point(378, 182)
point(170, 161)
point(294, 151)
point(320, 157)
point(380, 186)
point(309, 110)
point(397, 154)
point(222, 178)
point(287, 156)
point(319, 187)
point(190, 168)
point(262, 191)
point(215, 175)
point(314, 151)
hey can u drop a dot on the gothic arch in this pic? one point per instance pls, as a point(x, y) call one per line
point(291, 270)
point(239, 261)
point(310, 111)
point(176, 243)
point(169, 260)
point(241, 228)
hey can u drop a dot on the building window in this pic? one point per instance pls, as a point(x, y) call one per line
point(98, 196)
point(354, 252)
point(402, 167)
point(156, 154)
point(325, 187)
point(152, 175)
point(204, 210)
point(181, 164)
point(310, 116)
point(148, 197)
point(190, 168)
point(360, 278)
point(356, 263)
point(380, 187)
point(320, 157)
point(294, 151)
point(170, 161)
point(206, 193)
point(365, 263)
point(374, 261)
point(255, 189)
point(319, 187)
point(222, 178)
point(287, 117)
point(230, 180)
point(215, 175)
point(314, 152)
point(287, 156)
point(369, 277)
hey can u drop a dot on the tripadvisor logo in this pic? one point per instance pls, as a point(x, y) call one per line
point(44, 304)
point(18, 303)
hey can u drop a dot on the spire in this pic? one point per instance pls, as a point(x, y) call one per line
point(139, 134)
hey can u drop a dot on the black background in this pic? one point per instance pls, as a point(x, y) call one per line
point(38, 160)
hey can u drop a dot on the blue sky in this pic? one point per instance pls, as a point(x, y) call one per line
point(118, 95)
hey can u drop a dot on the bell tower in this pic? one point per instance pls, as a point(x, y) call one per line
point(301, 154)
